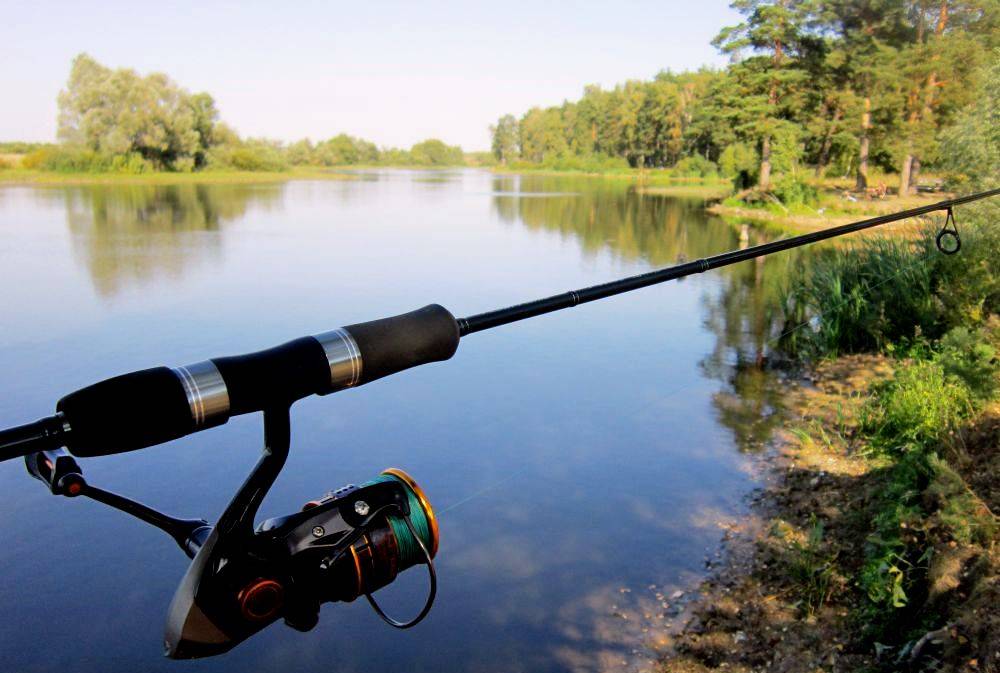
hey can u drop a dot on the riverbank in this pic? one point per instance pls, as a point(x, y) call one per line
point(835, 208)
point(797, 590)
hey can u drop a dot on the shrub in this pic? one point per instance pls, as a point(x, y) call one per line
point(793, 191)
point(251, 155)
point(915, 409)
point(71, 158)
point(968, 355)
point(695, 166)
point(741, 163)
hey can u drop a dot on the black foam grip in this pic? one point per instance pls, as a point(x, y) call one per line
point(276, 376)
point(390, 345)
point(126, 412)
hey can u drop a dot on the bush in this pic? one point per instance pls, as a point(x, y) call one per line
point(741, 163)
point(968, 355)
point(252, 155)
point(78, 159)
point(695, 166)
point(915, 409)
point(793, 191)
point(434, 152)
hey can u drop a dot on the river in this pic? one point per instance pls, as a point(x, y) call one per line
point(581, 462)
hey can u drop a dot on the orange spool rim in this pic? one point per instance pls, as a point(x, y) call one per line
point(432, 523)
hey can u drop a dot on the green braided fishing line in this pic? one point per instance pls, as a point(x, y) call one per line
point(409, 549)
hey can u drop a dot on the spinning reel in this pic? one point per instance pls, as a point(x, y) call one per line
point(351, 542)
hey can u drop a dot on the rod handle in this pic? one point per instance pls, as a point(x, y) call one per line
point(390, 345)
point(153, 406)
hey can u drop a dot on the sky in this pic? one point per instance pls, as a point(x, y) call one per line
point(394, 73)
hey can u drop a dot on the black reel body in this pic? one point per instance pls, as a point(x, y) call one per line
point(351, 542)
point(337, 549)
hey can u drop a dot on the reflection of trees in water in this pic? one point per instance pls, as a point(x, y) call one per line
point(744, 314)
point(133, 234)
point(609, 215)
point(746, 318)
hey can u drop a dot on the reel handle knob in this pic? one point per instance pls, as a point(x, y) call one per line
point(57, 470)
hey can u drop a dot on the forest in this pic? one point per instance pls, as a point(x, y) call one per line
point(844, 87)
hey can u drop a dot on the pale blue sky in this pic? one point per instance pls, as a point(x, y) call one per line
point(392, 72)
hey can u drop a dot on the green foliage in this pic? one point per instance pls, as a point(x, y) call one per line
point(20, 147)
point(695, 166)
point(971, 148)
point(78, 159)
point(119, 113)
point(505, 139)
point(344, 150)
point(827, 83)
point(434, 152)
point(593, 163)
point(794, 191)
point(812, 568)
point(970, 357)
point(893, 565)
point(957, 511)
point(890, 291)
point(914, 410)
point(739, 159)
point(860, 300)
point(249, 155)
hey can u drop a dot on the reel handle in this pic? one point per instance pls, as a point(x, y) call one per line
point(152, 406)
point(57, 470)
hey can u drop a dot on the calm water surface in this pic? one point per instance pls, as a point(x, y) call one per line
point(577, 460)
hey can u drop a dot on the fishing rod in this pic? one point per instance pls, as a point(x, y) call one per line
point(352, 541)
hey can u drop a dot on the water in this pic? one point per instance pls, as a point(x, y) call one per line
point(577, 459)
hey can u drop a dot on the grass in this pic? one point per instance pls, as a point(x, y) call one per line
point(812, 568)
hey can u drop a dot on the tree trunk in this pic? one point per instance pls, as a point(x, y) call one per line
point(904, 175)
point(914, 174)
point(764, 180)
point(824, 150)
point(866, 124)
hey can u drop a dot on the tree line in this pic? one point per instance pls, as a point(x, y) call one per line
point(119, 120)
point(844, 86)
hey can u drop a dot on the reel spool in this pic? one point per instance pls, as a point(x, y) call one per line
point(388, 543)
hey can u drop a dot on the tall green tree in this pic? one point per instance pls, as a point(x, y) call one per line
point(867, 35)
point(505, 139)
point(119, 112)
point(948, 39)
point(767, 47)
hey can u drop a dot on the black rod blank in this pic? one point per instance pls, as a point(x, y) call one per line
point(484, 321)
